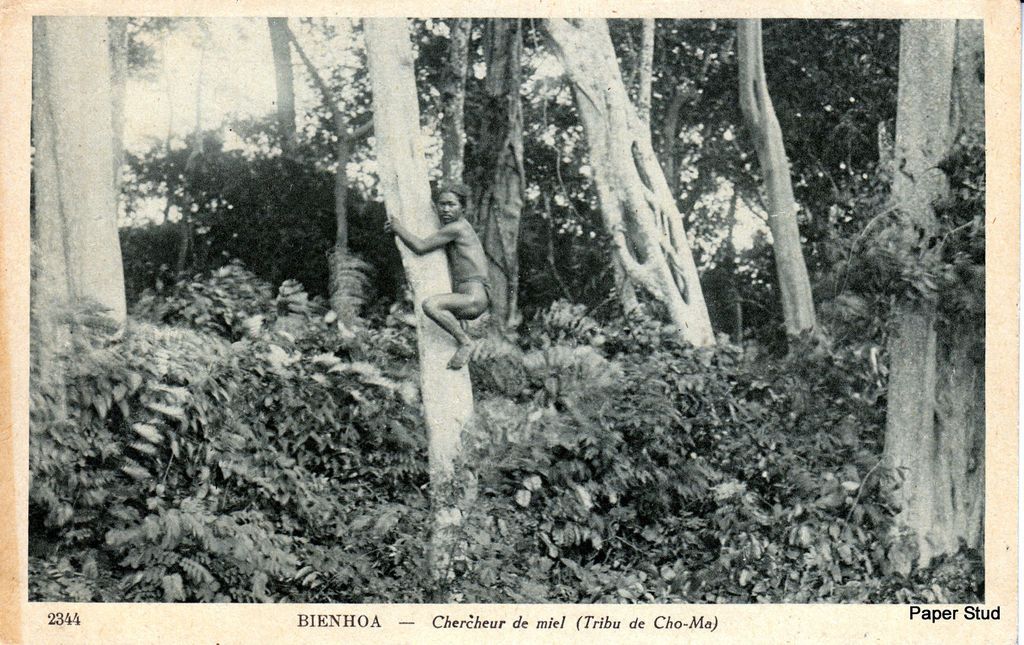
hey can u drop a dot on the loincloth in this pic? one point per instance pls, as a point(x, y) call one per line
point(482, 280)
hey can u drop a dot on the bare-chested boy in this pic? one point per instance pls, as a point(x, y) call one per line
point(468, 266)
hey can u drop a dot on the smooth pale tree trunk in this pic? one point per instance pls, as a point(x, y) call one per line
point(118, 32)
point(499, 176)
point(402, 172)
point(283, 79)
point(763, 125)
point(77, 254)
point(623, 285)
point(348, 272)
point(935, 422)
point(453, 101)
point(638, 209)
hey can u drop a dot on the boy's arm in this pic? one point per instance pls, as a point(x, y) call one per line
point(421, 245)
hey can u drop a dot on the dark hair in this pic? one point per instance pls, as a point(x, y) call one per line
point(460, 191)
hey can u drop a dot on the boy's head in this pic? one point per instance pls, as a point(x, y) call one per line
point(451, 202)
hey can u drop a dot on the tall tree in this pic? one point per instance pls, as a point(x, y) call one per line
point(643, 95)
point(934, 427)
point(347, 271)
point(498, 174)
point(960, 344)
point(453, 101)
point(283, 79)
point(638, 209)
point(763, 125)
point(117, 28)
point(402, 171)
point(76, 252)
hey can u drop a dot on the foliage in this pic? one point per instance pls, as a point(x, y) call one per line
point(629, 468)
point(190, 469)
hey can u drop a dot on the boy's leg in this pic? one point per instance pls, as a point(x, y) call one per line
point(447, 310)
point(439, 309)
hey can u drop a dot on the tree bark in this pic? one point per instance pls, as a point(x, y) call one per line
point(759, 116)
point(643, 95)
point(402, 171)
point(499, 175)
point(283, 79)
point(117, 29)
point(935, 423)
point(453, 101)
point(77, 252)
point(638, 209)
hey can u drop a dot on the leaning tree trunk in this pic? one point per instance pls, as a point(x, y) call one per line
point(759, 116)
point(643, 95)
point(453, 101)
point(498, 175)
point(283, 79)
point(623, 286)
point(76, 251)
point(402, 171)
point(638, 209)
point(935, 414)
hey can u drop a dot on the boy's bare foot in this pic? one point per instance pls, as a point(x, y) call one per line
point(461, 357)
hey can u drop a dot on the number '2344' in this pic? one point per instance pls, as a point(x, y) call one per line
point(61, 619)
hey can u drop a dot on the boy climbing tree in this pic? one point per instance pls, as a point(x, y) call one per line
point(470, 295)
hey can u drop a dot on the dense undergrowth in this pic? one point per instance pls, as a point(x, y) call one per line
point(240, 445)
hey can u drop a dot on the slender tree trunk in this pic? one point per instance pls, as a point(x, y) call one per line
point(499, 175)
point(638, 209)
point(453, 100)
point(669, 134)
point(643, 95)
point(186, 231)
point(283, 79)
point(402, 171)
point(348, 272)
point(76, 254)
point(935, 424)
point(759, 116)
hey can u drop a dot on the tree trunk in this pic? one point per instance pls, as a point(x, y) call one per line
point(348, 272)
point(77, 252)
point(402, 171)
point(283, 79)
point(960, 352)
point(643, 95)
point(759, 116)
point(498, 175)
point(453, 100)
point(186, 228)
point(638, 209)
point(118, 31)
point(932, 433)
point(623, 285)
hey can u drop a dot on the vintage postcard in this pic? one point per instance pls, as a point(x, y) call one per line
point(537, 322)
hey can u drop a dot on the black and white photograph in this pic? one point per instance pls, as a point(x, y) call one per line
point(508, 311)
